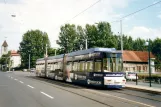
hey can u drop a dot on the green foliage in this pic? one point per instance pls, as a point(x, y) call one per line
point(154, 77)
point(68, 37)
point(33, 43)
point(5, 60)
point(156, 50)
point(139, 44)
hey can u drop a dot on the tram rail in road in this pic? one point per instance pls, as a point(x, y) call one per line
point(58, 84)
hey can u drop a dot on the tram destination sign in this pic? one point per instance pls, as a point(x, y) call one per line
point(114, 75)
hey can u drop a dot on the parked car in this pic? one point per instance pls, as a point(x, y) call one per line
point(24, 70)
point(32, 70)
point(131, 76)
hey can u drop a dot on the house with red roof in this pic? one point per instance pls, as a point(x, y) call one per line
point(15, 59)
point(137, 61)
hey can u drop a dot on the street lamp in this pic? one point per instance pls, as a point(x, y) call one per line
point(148, 44)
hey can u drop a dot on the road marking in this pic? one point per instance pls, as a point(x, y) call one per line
point(120, 98)
point(21, 82)
point(11, 77)
point(47, 95)
point(8, 76)
point(16, 79)
point(30, 86)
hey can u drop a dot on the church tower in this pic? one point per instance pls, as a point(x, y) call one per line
point(4, 48)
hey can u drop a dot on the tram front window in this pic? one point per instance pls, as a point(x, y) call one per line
point(113, 63)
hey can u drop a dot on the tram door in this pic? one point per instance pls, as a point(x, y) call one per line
point(113, 64)
point(64, 66)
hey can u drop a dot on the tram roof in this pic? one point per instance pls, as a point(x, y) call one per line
point(92, 50)
point(82, 52)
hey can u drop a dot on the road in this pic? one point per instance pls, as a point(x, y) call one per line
point(25, 90)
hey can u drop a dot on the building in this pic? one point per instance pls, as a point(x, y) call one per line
point(15, 59)
point(138, 61)
point(4, 48)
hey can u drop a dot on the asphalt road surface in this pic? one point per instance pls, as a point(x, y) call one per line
point(25, 90)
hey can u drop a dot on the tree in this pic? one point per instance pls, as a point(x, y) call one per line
point(100, 35)
point(33, 43)
point(5, 60)
point(80, 40)
point(68, 37)
point(139, 45)
point(156, 50)
point(91, 34)
point(127, 43)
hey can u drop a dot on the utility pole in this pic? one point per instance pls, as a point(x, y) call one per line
point(55, 52)
point(149, 62)
point(46, 55)
point(86, 43)
point(29, 61)
point(121, 36)
point(121, 43)
point(46, 50)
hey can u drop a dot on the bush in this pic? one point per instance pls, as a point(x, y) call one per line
point(154, 77)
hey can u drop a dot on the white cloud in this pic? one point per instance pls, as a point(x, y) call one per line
point(49, 15)
point(145, 33)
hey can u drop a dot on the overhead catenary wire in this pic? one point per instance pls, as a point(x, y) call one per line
point(136, 11)
point(84, 10)
point(80, 12)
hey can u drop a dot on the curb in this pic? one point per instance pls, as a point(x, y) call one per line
point(144, 89)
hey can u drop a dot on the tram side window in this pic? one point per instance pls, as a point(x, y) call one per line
point(55, 66)
point(59, 65)
point(90, 66)
point(81, 66)
point(75, 66)
point(97, 66)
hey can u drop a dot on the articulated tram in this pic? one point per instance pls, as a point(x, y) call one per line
point(100, 67)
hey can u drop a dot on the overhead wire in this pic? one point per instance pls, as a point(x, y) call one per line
point(136, 11)
point(81, 12)
point(84, 10)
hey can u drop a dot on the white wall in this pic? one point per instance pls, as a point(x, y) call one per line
point(16, 61)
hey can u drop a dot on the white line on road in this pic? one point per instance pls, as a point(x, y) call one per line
point(30, 86)
point(11, 77)
point(16, 79)
point(47, 95)
point(21, 82)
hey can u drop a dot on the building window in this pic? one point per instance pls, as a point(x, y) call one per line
point(145, 68)
point(138, 68)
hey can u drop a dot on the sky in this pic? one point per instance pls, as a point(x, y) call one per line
point(49, 15)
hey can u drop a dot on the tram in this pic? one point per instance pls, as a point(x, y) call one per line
point(100, 67)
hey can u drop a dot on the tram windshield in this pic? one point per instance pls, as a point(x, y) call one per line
point(112, 62)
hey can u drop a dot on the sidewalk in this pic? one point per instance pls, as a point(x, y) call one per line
point(143, 88)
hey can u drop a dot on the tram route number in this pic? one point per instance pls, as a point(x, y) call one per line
point(114, 75)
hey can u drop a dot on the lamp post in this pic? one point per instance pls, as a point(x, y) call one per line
point(149, 62)
point(121, 39)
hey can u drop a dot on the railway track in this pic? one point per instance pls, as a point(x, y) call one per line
point(112, 91)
